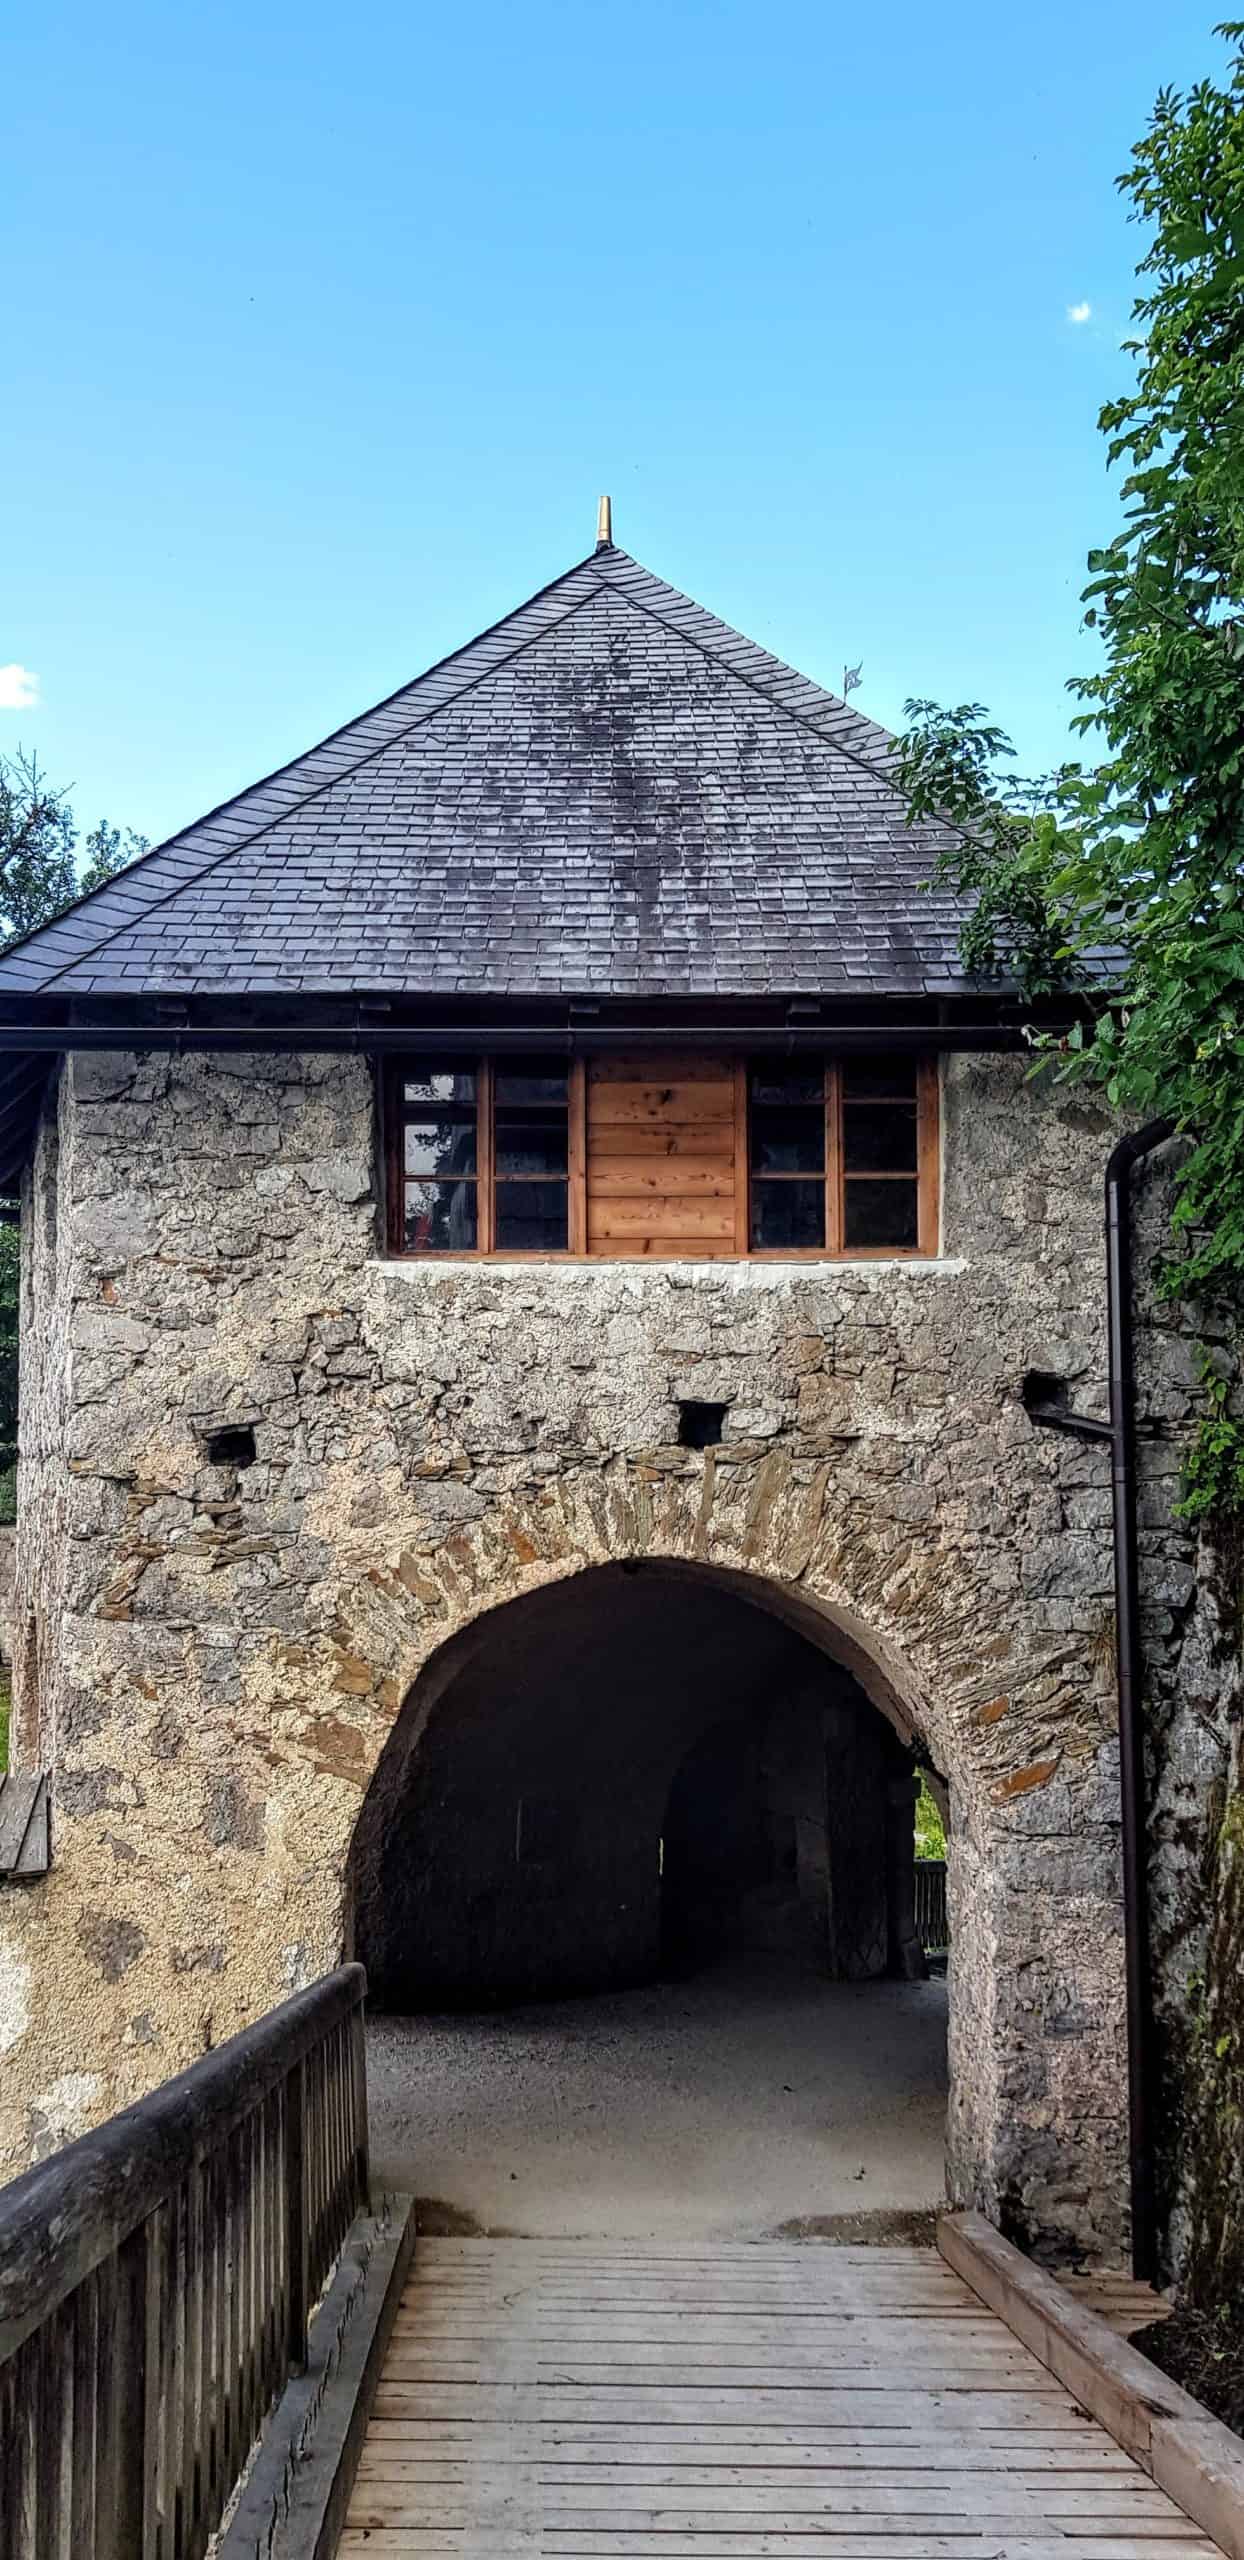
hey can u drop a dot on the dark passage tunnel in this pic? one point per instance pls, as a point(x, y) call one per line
point(634, 1772)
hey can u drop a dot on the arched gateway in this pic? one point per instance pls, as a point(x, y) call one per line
point(571, 1710)
point(628, 1772)
point(601, 1292)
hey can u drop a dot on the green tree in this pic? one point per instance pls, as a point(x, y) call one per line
point(39, 871)
point(1142, 853)
point(40, 876)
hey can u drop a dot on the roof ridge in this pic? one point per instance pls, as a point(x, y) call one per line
point(237, 844)
point(753, 650)
point(183, 862)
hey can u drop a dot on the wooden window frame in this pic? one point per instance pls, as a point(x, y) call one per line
point(485, 1248)
point(927, 1176)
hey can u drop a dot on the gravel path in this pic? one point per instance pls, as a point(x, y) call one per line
point(743, 2102)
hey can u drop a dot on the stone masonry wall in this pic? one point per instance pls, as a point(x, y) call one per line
point(219, 1654)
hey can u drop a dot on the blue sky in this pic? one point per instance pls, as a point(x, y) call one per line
point(324, 329)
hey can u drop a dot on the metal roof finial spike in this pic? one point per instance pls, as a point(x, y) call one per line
point(604, 524)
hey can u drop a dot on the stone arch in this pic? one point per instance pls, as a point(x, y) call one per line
point(576, 1704)
point(1012, 1721)
point(933, 1687)
point(898, 1606)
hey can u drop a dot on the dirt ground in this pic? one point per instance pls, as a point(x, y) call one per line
point(1205, 2355)
point(750, 2101)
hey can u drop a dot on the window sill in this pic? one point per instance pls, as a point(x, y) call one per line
point(762, 1268)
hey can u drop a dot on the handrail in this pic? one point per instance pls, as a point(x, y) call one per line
point(157, 2278)
point(59, 2220)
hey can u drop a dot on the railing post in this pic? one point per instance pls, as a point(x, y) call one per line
point(153, 2261)
point(358, 2081)
point(297, 2235)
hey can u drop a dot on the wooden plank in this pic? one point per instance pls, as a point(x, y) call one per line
point(1117, 2385)
point(485, 1192)
point(742, 1161)
point(684, 1141)
point(89, 2379)
point(661, 1249)
point(816, 2327)
point(304, 2471)
point(17, 1803)
point(809, 2257)
point(655, 1066)
point(610, 1220)
point(928, 1156)
point(733, 2506)
point(835, 1210)
point(825, 2543)
point(648, 2405)
point(54, 2438)
point(910, 2464)
point(584, 2399)
point(649, 1104)
point(1197, 2458)
point(663, 1177)
point(577, 1158)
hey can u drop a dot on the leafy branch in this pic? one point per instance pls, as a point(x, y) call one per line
point(39, 871)
point(1127, 876)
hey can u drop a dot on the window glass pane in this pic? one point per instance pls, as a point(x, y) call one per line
point(527, 1146)
point(531, 1217)
point(881, 1213)
point(440, 1217)
point(778, 1083)
point(440, 1146)
point(787, 1213)
point(788, 1141)
point(879, 1137)
point(538, 1080)
point(864, 1076)
point(424, 1082)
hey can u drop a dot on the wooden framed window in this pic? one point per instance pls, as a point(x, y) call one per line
point(485, 1157)
point(842, 1157)
point(677, 1159)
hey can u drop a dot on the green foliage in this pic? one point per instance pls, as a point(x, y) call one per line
point(39, 873)
point(930, 1832)
point(1010, 844)
point(1142, 854)
point(1214, 1470)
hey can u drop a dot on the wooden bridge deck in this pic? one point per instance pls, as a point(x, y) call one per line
point(577, 2399)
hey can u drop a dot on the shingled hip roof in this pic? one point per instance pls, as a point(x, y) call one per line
point(610, 793)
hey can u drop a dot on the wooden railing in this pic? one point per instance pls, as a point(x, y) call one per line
point(156, 2282)
point(932, 1918)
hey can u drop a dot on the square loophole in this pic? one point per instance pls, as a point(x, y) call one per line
point(233, 1446)
point(700, 1426)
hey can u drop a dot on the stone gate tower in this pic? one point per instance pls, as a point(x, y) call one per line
point(544, 1132)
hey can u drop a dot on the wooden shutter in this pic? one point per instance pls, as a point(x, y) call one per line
point(666, 1175)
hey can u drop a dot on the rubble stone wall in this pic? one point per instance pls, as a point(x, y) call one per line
point(218, 1653)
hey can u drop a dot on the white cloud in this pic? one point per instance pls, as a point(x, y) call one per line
point(1078, 313)
point(19, 690)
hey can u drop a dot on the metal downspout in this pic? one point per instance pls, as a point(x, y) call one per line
point(1141, 2045)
